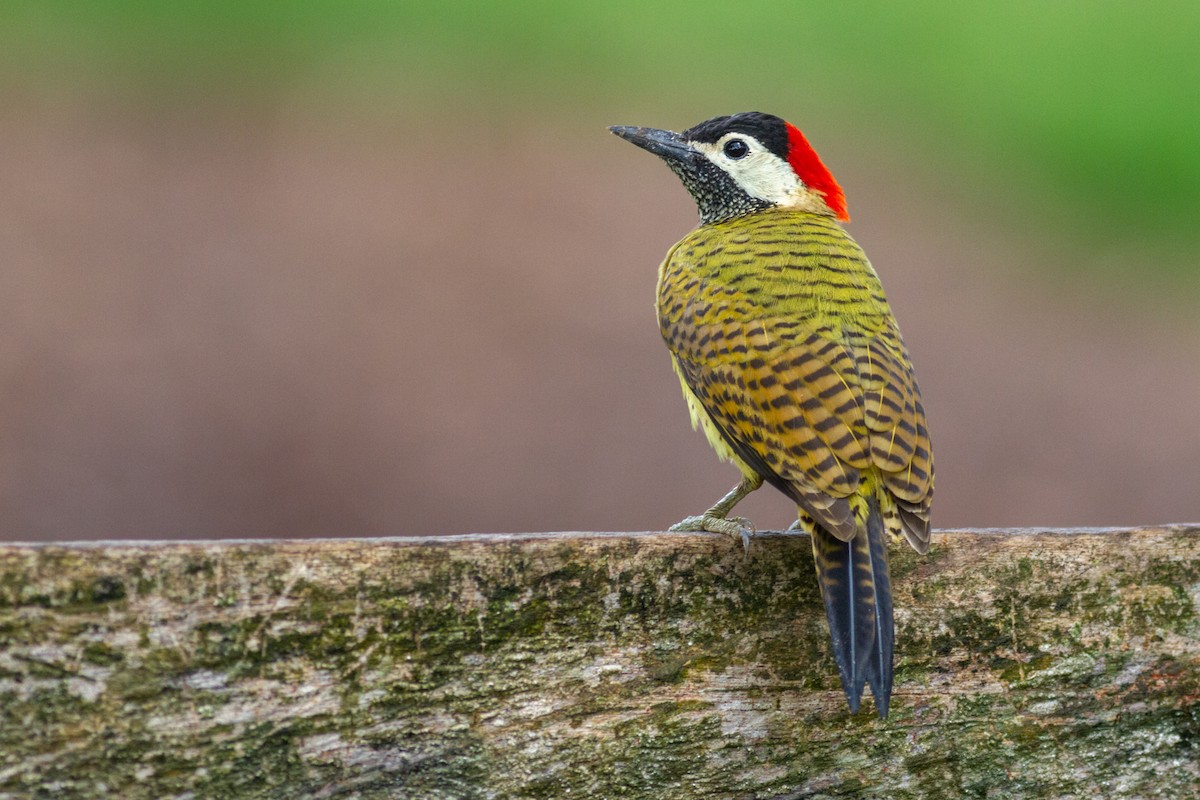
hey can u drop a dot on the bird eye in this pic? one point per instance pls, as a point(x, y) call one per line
point(736, 148)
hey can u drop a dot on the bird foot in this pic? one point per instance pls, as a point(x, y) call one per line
point(736, 527)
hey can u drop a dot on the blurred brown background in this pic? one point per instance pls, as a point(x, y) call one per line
point(285, 299)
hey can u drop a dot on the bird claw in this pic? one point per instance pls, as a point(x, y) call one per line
point(736, 527)
point(688, 524)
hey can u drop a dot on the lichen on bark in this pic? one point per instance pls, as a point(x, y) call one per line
point(1029, 664)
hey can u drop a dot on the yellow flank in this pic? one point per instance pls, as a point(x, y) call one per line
point(792, 364)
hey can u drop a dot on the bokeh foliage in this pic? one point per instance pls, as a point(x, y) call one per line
point(1085, 114)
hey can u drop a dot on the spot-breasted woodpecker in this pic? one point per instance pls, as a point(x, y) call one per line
point(793, 365)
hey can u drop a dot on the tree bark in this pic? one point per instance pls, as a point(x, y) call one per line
point(1028, 664)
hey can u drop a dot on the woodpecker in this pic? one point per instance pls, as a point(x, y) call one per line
point(792, 364)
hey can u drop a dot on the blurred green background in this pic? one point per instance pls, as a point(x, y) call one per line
point(374, 267)
point(1084, 114)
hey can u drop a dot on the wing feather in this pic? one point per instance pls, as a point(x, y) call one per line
point(807, 399)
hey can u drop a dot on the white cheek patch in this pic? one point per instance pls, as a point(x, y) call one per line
point(760, 174)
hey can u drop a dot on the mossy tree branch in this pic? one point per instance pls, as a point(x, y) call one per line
point(1029, 664)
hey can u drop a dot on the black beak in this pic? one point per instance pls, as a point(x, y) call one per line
point(664, 144)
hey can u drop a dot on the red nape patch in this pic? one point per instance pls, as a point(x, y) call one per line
point(815, 175)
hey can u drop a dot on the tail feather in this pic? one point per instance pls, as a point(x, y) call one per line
point(880, 667)
point(858, 603)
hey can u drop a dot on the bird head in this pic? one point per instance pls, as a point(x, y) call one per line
point(740, 164)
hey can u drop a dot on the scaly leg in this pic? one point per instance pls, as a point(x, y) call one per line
point(717, 520)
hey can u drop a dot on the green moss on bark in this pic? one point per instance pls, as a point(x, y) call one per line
point(605, 666)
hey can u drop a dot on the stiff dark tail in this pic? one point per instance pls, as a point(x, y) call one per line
point(858, 603)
